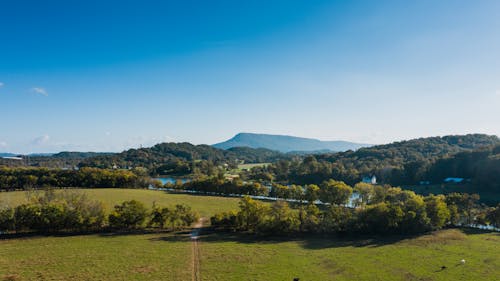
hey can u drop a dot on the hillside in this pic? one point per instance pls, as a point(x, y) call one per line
point(419, 149)
point(7, 154)
point(182, 158)
point(284, 143)
point(405, 162)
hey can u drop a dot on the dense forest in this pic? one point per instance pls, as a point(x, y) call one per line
point(408, 162)
point(32, 178)
point(178, 159)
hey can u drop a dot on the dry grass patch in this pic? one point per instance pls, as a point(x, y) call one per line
point(11, 277)
point(439, 237)
point(143, 269)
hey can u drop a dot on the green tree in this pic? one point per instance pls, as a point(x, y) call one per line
point(251, 214)
point(493, 216)
point(282, 218)
point(466, 206)
point(129, 214)
point(335, 192)
point(7, 222)
point(336, 219)
point(437, 211)
point(309, 218)
point(312, 193)
point(381, 218)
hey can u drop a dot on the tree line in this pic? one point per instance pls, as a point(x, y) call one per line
point(379, 210)
point(70, 211)
point(397, 165)
point(28, 178)
point(221, 186)
point(393, 211)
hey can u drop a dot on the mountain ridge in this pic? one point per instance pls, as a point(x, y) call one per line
point(286, 143)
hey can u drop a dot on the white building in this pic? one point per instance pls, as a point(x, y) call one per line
point(371, 180)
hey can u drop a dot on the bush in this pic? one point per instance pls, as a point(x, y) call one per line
point(7, 221)
point(130, 214)
point(177, 218)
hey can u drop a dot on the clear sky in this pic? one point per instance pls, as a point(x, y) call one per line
point(94, 76)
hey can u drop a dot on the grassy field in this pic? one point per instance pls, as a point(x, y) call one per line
point(225, 257)
point(232, 257)
point(95, 257)
point(250, 166)
point(205, 205)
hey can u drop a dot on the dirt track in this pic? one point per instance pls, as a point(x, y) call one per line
point(196, 251)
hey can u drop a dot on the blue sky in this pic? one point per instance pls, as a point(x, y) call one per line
point(93, 76)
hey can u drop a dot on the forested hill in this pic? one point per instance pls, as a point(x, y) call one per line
point(179, 157)
point(482, 166)
point(286, 143)
point(422, 149)
point(79, 155)
point(405, 162)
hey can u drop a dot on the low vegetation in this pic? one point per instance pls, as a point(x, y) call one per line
point(71, 211)
point(380, 211)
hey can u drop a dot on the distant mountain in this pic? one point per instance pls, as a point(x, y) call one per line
point(81, 155)
point(40, 154)
point(286, 143)
point(7, 154)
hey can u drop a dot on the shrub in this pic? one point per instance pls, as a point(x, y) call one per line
point(130, 214)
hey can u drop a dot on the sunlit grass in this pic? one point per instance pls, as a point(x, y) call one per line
point(95, 257)
point(392, 258)
point(205, 205)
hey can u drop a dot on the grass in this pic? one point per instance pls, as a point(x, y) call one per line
point(242, 257)
point(241, 167)
point(250, 166)
point(205, 205)
point(225, 257)
point(95, 257)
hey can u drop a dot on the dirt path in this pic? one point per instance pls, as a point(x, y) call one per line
point(196, 251)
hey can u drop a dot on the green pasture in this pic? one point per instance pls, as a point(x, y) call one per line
point(205, 205)
point(243, 257)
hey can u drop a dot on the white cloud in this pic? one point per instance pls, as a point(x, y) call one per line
point(41, 140)
point(3, 144)
point(108, 134)
point(40, 91)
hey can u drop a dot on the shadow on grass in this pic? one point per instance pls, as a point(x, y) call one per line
point(208, 235)
point(472, 231)
point(307, 241)
point(102, 233)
